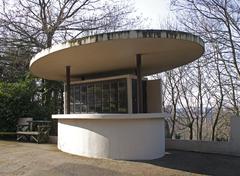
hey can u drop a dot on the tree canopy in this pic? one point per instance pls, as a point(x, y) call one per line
point(28, 26)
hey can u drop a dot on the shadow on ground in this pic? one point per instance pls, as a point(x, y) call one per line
point(199, 163)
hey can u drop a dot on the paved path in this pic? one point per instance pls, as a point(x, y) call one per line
point(28, 159)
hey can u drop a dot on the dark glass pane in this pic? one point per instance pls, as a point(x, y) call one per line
point(90, 98)
point(114, 96)
point(71, 108)
point(98, 93)
point(98, 97)
point(114, 91)
point(106, 97)
point(72, 99)
point(134, 96)
point(105, 92)
point(113, 107)
point(90, 88)
point(77, 99)
point(91, 108)
point(83, 94)
point(77, 108)
point(77, 94)
point(122, 96)
point(144, 89)
point(72, 94)
point(105, 107)
point(84, 108)
point(99, 108)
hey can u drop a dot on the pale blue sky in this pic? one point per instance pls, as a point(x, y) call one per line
point(156, 10)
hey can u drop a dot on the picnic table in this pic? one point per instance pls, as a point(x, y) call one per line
point(38, 130)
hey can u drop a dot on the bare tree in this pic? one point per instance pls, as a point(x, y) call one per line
point(210, 87)
point(44, 22)
point(40, 24)
point(224, 18)
point(171, 97)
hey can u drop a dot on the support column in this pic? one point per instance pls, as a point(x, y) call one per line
point(139, 84)
point(129, 95)
point(67, 93)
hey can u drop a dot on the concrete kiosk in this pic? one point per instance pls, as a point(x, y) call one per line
point(111, 110)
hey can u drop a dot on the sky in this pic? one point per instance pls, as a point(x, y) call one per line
point(156, 10)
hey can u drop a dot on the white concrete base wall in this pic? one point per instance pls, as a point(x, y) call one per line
point(128, 139)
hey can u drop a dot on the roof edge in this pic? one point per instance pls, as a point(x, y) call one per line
point(128, 34)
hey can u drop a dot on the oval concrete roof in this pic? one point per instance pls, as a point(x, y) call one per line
point(161, 50)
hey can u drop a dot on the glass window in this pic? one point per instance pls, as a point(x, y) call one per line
point(100, 97)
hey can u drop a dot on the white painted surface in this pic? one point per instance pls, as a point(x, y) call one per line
point(165, 50)
point(231, 148)
point(132, 138)
point(154, 102)
point(111, 116)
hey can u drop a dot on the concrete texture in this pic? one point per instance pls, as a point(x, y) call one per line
point(30, 159)
point(199, 146)
point(161, 50)
point(154, 96)
point(114, 136)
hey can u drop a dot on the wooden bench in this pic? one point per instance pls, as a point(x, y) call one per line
point(36, 130)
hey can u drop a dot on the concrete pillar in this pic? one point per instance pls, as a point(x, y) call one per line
point(129, 94)
point(139, 83)
point(68, 89)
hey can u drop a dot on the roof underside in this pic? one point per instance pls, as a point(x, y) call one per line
point(160, 50)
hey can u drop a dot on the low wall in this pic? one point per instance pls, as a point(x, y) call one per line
point(230, 148)
point(201, 146)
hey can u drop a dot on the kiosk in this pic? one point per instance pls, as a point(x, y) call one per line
point(111, 109)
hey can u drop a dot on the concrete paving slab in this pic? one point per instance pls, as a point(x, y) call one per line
point(30, 159)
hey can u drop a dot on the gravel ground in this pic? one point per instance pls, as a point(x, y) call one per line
point(29, 159)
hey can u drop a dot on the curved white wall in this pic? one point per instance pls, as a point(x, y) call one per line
point(120, 138)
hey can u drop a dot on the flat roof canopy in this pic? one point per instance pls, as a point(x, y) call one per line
point(161, 50)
